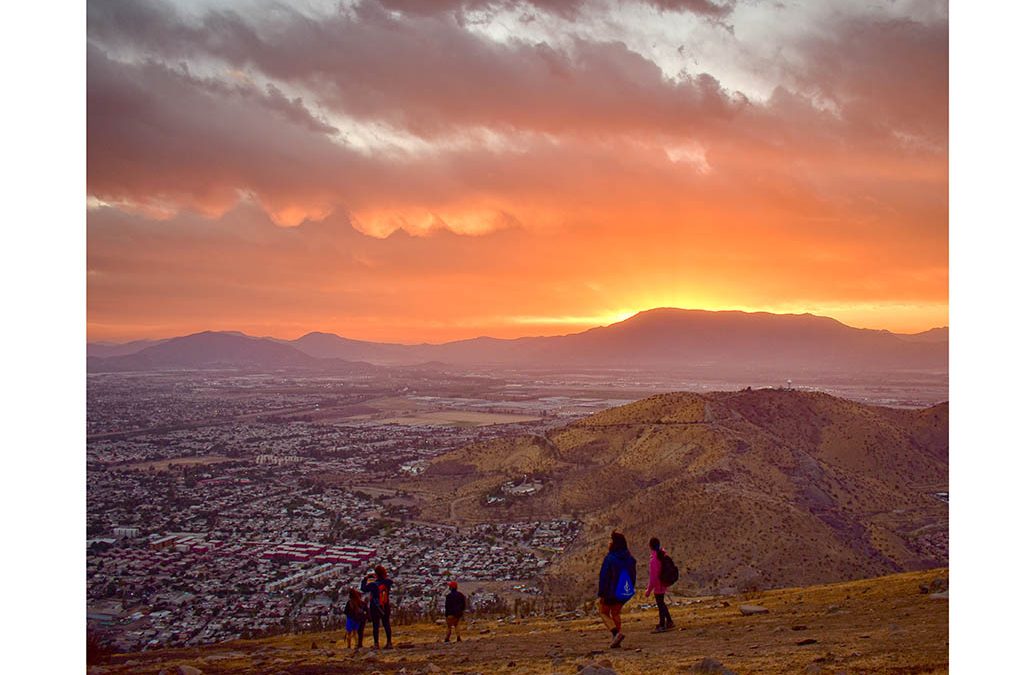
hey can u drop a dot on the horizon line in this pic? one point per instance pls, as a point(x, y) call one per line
point(626, 317)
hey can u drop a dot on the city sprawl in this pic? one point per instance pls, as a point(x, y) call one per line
point(228, 506)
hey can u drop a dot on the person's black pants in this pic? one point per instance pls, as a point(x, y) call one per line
point(664, 618)
point(380, 617)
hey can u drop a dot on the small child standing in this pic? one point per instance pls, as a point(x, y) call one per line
point(355, 618)
point(456, 603)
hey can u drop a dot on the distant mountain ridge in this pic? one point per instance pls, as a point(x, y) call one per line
point(940, 334)
point(658, 338)
point(329, 345)
point(210, 349)
point(106, 349)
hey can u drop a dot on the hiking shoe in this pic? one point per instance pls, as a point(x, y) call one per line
point(617, 642)
point(446, 641)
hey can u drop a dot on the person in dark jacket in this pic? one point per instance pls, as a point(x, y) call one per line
point(616, 585)
point(379, 586)
point(355, 618)
point(456, 603)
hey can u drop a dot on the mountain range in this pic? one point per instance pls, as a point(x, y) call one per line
point(661, 338)
point(754, 488)
point(216, 350)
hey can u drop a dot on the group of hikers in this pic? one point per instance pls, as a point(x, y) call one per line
point(373, 602)
point(376, 608)
point(616, 586)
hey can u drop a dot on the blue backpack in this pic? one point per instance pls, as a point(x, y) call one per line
point(624, 587)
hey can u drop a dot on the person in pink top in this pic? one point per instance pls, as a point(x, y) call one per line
point(656, 587)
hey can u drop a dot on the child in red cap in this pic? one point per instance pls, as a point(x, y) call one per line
point(456, 603)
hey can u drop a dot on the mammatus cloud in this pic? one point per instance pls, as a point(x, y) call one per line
point(406, 118)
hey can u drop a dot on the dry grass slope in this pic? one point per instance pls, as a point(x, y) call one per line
point(747, 489)
point(882, 625)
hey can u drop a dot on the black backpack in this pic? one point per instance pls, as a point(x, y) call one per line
point(669, 571)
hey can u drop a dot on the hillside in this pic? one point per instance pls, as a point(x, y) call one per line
point(882, 625)
point(746, 489)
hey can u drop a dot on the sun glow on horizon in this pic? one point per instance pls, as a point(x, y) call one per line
point(603, 319)
point(893, 317)
point(442, 173)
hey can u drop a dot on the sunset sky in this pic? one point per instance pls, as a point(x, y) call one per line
point(424, 171)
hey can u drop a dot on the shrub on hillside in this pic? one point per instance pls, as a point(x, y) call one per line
point(97, 649)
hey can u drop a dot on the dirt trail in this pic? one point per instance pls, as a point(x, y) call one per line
point(883, 625)
point(453, 517)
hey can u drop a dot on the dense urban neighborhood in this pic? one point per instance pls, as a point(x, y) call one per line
point(259, 525)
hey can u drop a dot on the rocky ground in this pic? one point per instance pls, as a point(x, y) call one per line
point(893, 624)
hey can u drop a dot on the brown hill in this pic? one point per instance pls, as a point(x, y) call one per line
point(883, 625)
point(746, 489)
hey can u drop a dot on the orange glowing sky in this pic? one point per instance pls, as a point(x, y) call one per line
point(415, 171)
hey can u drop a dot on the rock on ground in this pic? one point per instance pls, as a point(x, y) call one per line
point(748, 610)
point(936, 585)
point(710, 665)
point(594, 669)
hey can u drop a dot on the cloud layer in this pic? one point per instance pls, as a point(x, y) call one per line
point(534, 160)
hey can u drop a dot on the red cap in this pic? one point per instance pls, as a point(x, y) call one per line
point(452, 584)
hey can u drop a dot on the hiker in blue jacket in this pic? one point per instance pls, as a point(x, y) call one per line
point(378, 585)
point(616, 585)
